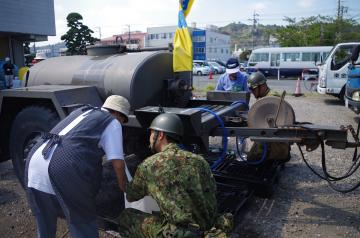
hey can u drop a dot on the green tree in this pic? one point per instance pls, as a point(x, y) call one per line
point(78, 36)
point(317, 30)
point(244, 56)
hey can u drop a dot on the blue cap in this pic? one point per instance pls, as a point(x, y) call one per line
point(232, 66)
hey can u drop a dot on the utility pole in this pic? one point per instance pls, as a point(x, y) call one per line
point(341, 10)
point(129, 33)
point(338, 9)
point(321, 34)
point(254, 21)
point(99, 29)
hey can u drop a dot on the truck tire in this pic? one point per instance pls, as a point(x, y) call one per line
point(25, 132)
point(342, 95)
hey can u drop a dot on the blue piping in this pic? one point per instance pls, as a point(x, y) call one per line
point(225, 134)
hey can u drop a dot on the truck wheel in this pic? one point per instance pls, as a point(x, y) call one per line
point(25, 132)
point(342, 95)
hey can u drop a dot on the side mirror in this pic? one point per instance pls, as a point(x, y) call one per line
point(355, 54)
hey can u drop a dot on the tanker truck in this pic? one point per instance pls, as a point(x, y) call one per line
point(56, 86)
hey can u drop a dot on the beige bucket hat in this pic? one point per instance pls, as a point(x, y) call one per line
point(119, 104)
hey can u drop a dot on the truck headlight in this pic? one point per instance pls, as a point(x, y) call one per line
point(356, 96)
point(322, 78)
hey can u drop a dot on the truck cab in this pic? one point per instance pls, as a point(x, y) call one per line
point(352, 91)
point(333, 71)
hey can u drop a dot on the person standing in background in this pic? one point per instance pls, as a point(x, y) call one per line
point(8, 68)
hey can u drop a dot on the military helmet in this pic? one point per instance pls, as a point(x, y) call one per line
point(169, 123)
point(256, 79)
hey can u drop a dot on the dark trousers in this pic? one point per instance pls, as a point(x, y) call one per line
point(46, 209)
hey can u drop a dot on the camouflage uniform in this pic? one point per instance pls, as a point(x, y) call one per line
point(275, 150)
point(184, 188)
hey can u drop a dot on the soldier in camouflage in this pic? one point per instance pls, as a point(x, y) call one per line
point(258, 86)
point(275, 150)
point(182, 185)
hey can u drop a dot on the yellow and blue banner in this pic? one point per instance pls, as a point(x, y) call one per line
point(183, 49)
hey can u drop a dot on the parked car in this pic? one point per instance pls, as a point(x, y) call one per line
point(222, 63)
point(310, 74)
point(218, 69)
point(200, 70)
point(205, 63)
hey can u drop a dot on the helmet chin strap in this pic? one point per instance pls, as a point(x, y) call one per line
point(156, 136)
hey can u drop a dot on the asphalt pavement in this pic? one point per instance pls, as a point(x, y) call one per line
point(203, 83)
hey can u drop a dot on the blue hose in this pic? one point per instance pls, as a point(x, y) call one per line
point(242, 102)
point(225, 134)
point(264, 152)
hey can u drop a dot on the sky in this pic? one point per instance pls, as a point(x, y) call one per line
point(112, 17)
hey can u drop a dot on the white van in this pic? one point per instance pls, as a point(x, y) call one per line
point(288, 61)
point(334, 69)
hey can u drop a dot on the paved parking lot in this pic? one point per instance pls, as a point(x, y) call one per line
point(289, 85)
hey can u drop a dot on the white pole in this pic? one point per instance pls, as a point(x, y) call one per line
point(278, 73)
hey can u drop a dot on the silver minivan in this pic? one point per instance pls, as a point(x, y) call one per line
point(200, 70)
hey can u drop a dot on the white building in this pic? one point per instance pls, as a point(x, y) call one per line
point(208, 44)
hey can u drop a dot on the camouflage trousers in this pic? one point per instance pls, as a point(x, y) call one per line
point(137, 224)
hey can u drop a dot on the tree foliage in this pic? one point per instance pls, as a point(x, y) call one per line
point(78, 36)
point(244, 56)
point(317, 30)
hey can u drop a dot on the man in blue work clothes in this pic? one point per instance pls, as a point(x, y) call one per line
point(233, 80)
point(63, 170)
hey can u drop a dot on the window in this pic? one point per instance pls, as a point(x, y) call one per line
point(259, 57)
point(211, 40)
point(222, 51)
point(215, 50)
point(291, 56)
point(310, 56)
point(171, 35)
point(341, 56)
point(227, 51)
point(198, 38)
point(210, 50)
point(324, 55)
point(199, 50)
point(156, 36)
point(163, 35)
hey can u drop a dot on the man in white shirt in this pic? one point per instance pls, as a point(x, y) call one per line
point(64, 168)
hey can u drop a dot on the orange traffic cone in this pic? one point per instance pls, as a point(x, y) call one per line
point(210, 75)
point(298, 89)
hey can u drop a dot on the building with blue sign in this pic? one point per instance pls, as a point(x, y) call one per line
point(207, 43)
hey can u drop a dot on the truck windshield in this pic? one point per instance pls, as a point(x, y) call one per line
point(341, 56)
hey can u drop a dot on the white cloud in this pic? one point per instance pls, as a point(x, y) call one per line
point(305, 3)
point(259, 6)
